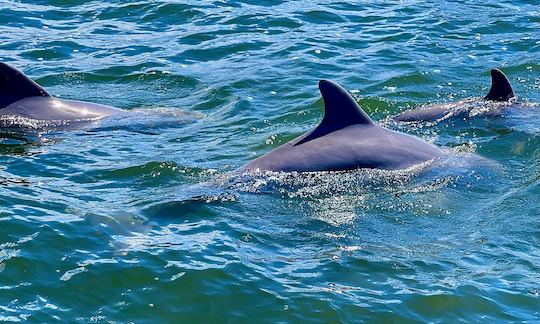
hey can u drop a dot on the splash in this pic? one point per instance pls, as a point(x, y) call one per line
point(11, 124)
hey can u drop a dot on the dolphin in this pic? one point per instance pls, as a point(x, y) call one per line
point(346, 139)
point(22, 98)
point(499, 98)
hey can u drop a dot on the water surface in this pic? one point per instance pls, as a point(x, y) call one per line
point(137, 219)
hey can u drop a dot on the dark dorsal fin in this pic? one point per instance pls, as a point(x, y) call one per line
point(340, 111)
point(14, 86)
point(501, 90)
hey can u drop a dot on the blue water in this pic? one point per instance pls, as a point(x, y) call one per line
point(138, 218)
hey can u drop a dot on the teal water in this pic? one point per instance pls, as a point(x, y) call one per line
point(137, 219)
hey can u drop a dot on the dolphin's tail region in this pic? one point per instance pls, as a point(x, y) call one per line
point(14, 86)
point(501, 90)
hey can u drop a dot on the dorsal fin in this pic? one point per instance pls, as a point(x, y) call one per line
point(340, 111)
point(501, 90)
point(14, 86)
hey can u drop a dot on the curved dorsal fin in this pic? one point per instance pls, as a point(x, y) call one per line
point(340, 111)
point(14, 86)
point(501, 90)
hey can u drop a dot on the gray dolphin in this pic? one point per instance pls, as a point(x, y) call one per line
point(499, 98)
point(346, 139)
point(22, 98)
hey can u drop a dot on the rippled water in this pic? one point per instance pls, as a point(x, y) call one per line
point(139, 219)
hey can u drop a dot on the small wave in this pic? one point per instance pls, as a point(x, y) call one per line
point(321, 184)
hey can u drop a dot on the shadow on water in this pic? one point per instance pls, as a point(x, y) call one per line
point(149, 121)
point(25, 143)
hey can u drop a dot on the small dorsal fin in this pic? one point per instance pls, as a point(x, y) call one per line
point(14, 86)
point(340, 111)
point(340, 108)
point(501, 90)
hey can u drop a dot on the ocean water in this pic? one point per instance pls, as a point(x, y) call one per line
point(139, 219)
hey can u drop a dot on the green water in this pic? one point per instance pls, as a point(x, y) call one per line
point(137, 219)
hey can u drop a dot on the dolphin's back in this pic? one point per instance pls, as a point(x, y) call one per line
point(22, 98)
point(500, 92)
point(51, 108)
point(354, 147)
point(435, 112)
point(345, 139)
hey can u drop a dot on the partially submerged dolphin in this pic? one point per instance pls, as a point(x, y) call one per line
point(346, 139)
point(22, 98)
point(498, 99)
